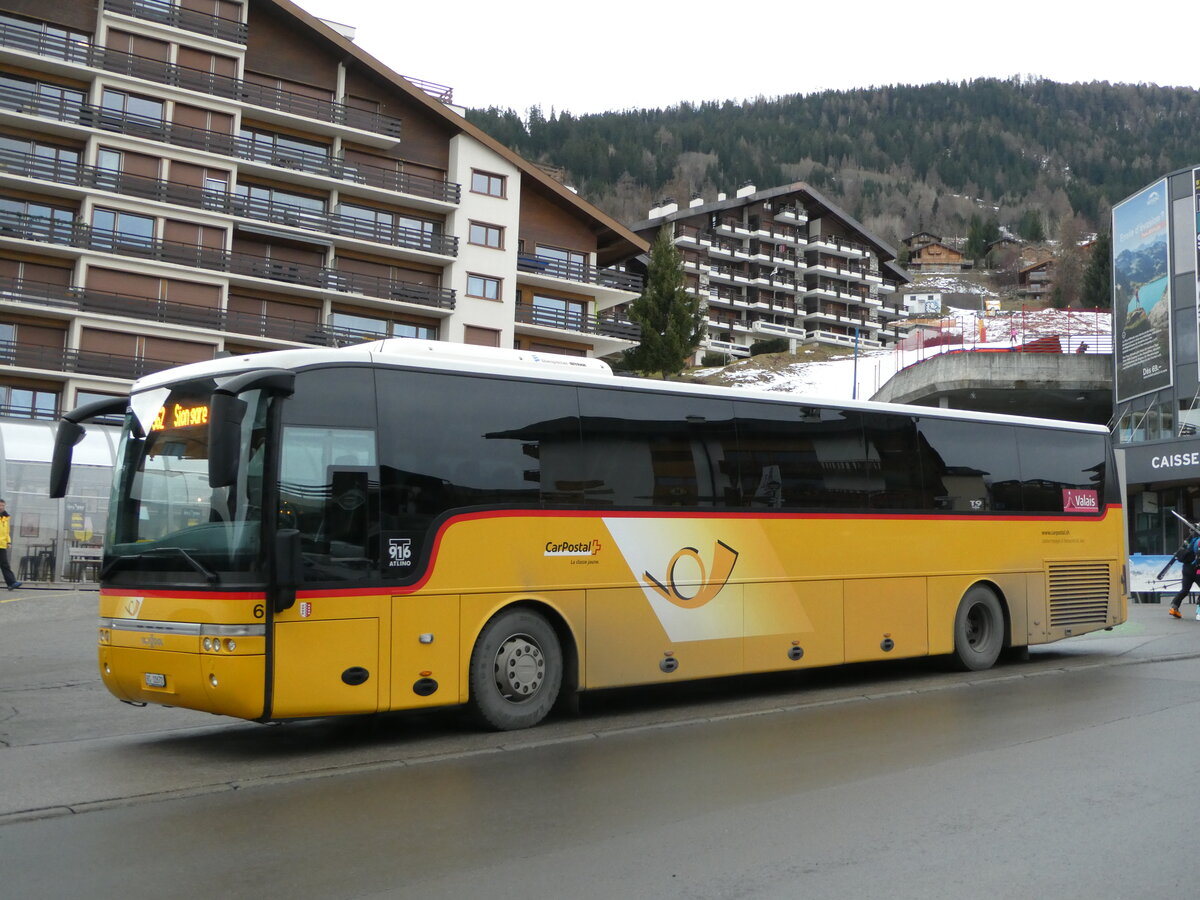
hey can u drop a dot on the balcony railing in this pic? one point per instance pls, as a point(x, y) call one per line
point(58, 359)
point(65, 172)
point(165, 12)
point(349, 226)
point(557, 268)
point(75, 234)
point(581, 323)
point(236, 89)
point(172, 313)
point(227, 144)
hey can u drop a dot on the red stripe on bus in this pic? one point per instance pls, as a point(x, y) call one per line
point(595, 514)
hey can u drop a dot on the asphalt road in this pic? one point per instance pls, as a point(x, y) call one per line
point(1068, 774)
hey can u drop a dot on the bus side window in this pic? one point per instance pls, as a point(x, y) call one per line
point(969, 466)
point(325, 492)
point(649, 450)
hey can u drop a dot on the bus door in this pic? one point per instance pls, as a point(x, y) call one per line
point(326, 656)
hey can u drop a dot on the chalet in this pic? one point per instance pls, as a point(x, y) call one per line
point(939, 257)
point(1036, 281)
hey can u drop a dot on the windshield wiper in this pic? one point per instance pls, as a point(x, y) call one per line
point(209, 575)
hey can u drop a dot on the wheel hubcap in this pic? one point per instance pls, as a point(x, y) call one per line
point(979, 626)
point(520, 668)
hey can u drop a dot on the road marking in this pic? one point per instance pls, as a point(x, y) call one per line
point(39, 594)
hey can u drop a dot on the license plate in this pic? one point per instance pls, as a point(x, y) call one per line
point(153, 679)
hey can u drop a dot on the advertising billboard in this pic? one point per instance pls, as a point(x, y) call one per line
point(1142, 293)
point(1196, 210)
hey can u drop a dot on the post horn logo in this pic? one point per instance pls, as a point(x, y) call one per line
point(694, 595)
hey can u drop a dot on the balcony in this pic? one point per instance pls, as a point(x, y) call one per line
point(727, 347)
point(71, 361)
point(224, 86)
point(773, 328)
point(839, 246)
point(78, 299)
point(32, 166)
point(165, 12)
point(74, 234)
point(579, 323)
point(577, 272)
point(691, 236)
point(226, 144)
point(346, 226)
point(793, 214)
point(822, 336)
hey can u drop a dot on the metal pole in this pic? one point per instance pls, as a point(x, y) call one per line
point(854, 387)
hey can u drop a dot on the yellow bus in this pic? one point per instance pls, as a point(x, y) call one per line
point(409, 524)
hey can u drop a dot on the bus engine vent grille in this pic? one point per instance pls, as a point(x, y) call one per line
point(1079, 593)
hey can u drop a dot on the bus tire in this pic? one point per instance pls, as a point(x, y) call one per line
point(516, 670)
point(978, 630)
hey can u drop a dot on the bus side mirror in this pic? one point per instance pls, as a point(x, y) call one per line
point(65, 438)
point(70, 433)
point(289, 567)
point(225, 414)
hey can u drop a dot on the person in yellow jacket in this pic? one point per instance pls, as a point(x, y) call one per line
point(5, 540)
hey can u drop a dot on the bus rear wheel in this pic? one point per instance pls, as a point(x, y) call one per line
point(978, 630)
point(516, 670)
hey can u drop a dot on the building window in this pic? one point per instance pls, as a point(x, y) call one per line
point(366, 328)
point(284, 150)
point(563, 263)
point(49, 156)
point(110, 225)
point(283, 207)
point(414, 330)
point(483, 287)
point(481, 337)
point(55, 98)
point(132, 105)
point(557, 312)
point(38, 220)
point(109, 160)
point(485, 235)
point(487, 183)
point(381, 224)
point(28, 403)
point(52, 40)
point(82, 397)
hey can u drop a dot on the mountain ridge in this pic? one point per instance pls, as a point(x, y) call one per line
point(899, 158)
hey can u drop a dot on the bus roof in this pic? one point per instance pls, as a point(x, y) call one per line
point(466, 359)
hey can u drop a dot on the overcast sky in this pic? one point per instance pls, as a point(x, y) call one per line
point(621, 54)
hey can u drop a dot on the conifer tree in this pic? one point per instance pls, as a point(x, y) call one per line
point(1097, 276)
point(670, 318)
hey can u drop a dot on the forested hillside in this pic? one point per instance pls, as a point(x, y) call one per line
point(898, 158)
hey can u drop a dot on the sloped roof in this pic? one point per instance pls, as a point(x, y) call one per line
point(615, 241)
point(815, 202)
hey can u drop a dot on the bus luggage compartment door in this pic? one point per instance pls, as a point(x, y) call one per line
point(325, 667)
point(425, 651)
point(885, 617)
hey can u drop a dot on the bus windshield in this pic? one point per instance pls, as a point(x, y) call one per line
point(164, 519)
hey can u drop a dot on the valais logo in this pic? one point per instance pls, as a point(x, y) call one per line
point(1080, 501)
point(695, 585)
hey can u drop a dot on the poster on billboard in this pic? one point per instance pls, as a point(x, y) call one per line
point(1142, 293)
point(1196, 210)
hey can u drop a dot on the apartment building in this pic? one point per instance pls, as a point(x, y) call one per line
point(784, 263)
point(182, 178)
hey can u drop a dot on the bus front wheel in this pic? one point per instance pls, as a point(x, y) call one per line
point(516, 670)
point(978, 630)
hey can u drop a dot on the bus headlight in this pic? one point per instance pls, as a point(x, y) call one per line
point(231, 645)
point(208, 643)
